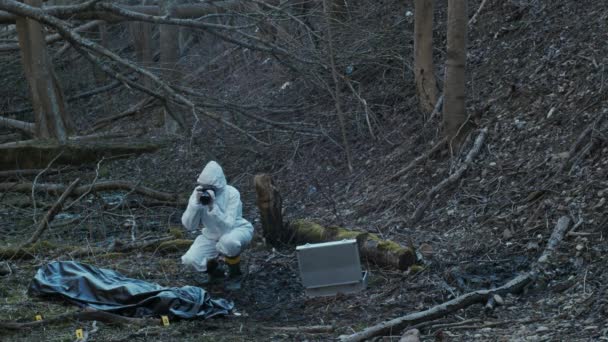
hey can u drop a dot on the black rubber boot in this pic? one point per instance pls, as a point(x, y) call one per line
point(235, 276)
point(215, 273)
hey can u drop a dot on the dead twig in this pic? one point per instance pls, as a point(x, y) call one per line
point(473, 19)
point(515, 285)
point(453, 178)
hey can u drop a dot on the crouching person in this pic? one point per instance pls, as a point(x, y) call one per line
point(217, 207)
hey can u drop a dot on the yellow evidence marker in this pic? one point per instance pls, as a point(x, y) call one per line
point(38, 317)
point(79, 334)
point(165, 320)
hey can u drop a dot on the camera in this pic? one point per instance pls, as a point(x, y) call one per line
point(205, 196)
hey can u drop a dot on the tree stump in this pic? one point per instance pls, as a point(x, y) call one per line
point(270, 205)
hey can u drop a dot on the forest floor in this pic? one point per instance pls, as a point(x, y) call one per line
point(537, 83)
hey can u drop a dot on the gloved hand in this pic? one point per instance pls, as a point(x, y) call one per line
point(212, 195)
point(198, 192)
point(195, 197)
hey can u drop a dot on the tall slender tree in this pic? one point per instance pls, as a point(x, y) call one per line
point(426, 85)
point(51, 118)
point(454, 110)
point(169, 56)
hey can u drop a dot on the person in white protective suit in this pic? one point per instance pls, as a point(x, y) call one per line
point(217, 207)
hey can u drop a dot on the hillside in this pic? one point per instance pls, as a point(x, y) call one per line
point(536, 82)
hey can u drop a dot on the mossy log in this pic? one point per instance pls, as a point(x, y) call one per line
point(373, 248)
point(33, 154)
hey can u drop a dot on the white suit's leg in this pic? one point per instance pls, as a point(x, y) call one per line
point(232, 243)
point(202, 249)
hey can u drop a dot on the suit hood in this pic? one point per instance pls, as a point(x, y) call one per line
point(212, 175)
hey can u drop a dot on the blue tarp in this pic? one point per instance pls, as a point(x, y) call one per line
point(108, 290)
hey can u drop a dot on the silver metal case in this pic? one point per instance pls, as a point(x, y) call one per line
point(329, 268)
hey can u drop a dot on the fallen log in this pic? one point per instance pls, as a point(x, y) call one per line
point(32, 154)
point(50, 214)
point(373, 248)
point(515, 285)
point(56, 189)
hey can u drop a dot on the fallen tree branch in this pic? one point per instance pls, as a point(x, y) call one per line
point(453, 178)
point(53, 37)
point(418, 160)
point(26, 187)
point(313, 329)
point(136, 108)
point(50, 214)
point(473, 19)
point(88, 315)
point(515, 285)
point(23, 126)
point(585, 134)
point(30, 172)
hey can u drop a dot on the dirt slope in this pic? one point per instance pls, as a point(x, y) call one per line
point(536, 81)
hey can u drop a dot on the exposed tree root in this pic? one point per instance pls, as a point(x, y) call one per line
point(515, 285)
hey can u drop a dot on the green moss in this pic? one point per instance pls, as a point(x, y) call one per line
point(416, 268)
point(390, 246)
point(308, 231)
point(176, 232)
point(344, 234)
point(176, 245)
point(112, 256)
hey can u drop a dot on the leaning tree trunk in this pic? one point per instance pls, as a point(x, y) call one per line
point(51, 118)
point(169, 55)
point(426, 86)
point(454, 111)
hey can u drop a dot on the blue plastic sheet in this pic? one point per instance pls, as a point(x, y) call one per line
point(108, 290)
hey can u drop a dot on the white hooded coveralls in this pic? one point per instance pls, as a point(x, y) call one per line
point(225, 230)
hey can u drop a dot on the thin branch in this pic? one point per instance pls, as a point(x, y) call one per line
point(453, 178)
point(50, 214)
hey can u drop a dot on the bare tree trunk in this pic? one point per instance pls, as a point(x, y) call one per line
point(334, 74)
point(454, 111)
point(51, 118)
point(426, 85)
point(141, 33)
point(169, 55)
